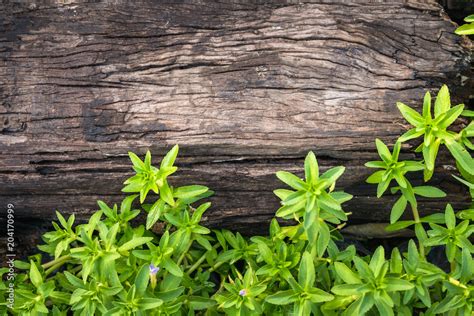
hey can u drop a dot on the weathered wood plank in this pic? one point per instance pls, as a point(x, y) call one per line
point(245, 89)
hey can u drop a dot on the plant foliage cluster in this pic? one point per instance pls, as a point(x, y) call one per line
point(112, 265)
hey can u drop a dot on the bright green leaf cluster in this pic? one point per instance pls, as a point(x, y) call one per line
point(393, 169)
point(149, 178)
point(433, 128)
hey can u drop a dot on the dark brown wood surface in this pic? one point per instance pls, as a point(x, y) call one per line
point(244, 89)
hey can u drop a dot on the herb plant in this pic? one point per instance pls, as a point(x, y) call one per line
point(116, 265)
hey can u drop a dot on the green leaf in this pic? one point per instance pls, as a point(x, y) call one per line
point(346, 274)
point(35, 276)
point(413, 165)
point(40, 308)
point(450, 116)
point(203, 242)
point(377, 260)
point(265, 252)
point(397, 284)
point(341, 196)
point(197, 214)
point(375, 164)
point(383, 308)
point(155, 213)
point(126, 204)
point(283, 297)
point(137, 162)
point(295, 197)
point(363, 268)
point(469, 18)
point(466, 29)
point(443, 102)
point(283, 193)
point(396, 150)
point(134, 243)
point(327, 201)
point(396, 264)
point(292, 180)
point(375, 177)
point(467, 265)
point(469, 184)
point(306, 275)
point(172, 267)
point(429, 191)
point(466, 214)
point(149, 303)
point(166, 193)
point(461, 155)
point(349, 289)
point(398, 209)
point(200, 303)
point(427, 174)
point(382, 187)
point(333, 174)
point(136, 186)
point(143, 193)
point(437, 218)
point(141, 280)
point(383, 151)
point(324, 238)
point(311, 227)
point(147, 160)
point(399, 225)
point(317, 296)
point(427, 105)
point(468, 113)
point(449, 303)
point(75, 281)
point(288, 210)
point(170, 291)
point(430, 153)
point(310, 203)
point(311, 168)
point(413, 117)
point(61, 219)
point(400, 179)
point(170, 157)
point(411, 134)
point(420, 232)
point(450, 218)
point(190, 191)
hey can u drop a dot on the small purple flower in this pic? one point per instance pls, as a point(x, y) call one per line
point(154, 270)
point(243, 292)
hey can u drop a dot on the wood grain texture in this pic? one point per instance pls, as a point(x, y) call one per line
point(245, 89)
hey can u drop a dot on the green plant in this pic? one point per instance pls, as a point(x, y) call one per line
point(115, 265)
point(434, 131)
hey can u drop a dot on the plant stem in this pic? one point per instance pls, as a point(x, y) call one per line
point(197, 264)
point(55, 264)
point(416, 217)
point(200, 260)
point(217, 265)
point(56, 261)
point(184, 252)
